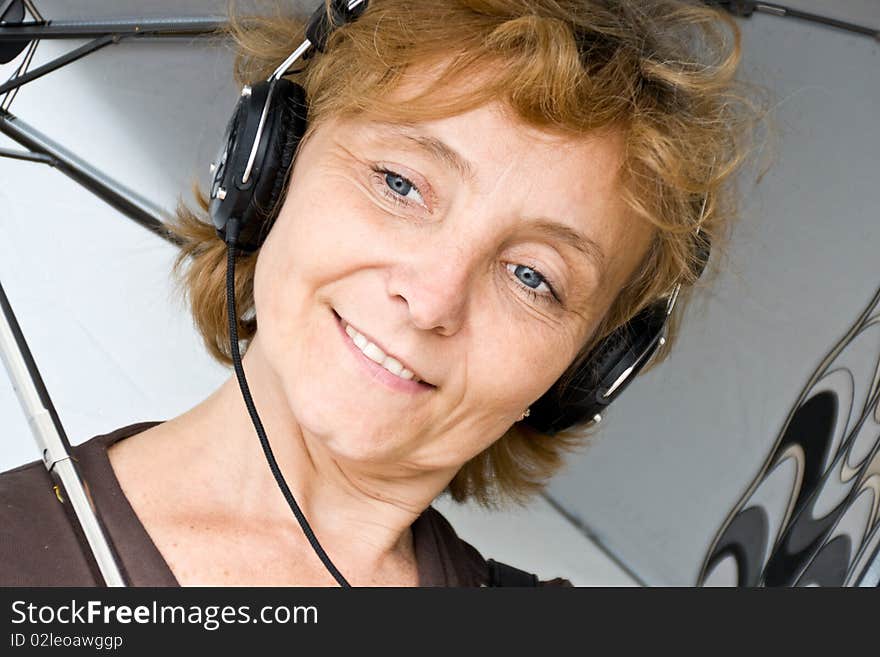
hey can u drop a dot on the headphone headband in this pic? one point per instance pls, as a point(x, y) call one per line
point(341, 13)
point(262, 136)
point(319, 28)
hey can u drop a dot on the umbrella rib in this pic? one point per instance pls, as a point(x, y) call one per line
point(100, 184)
point(780, 10)
point(57, 63)
point(745, 9)
point(144, 28)
point(22, 69)
point(31, 7)
point(53, 444)
point(28, 156)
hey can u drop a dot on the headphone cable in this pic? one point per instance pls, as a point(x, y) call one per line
point(232, 231)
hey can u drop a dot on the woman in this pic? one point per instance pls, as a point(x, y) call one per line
point(486, 190)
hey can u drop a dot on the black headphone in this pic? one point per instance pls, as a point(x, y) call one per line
point(250, 175)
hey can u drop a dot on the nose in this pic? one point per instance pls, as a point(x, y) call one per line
point(434, 281)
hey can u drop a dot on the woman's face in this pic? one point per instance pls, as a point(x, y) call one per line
point(473, 252)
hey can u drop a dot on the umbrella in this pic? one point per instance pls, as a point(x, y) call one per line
point(97, 331)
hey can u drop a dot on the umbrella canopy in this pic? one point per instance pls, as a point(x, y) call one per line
point(680, 456)
point(692, 445)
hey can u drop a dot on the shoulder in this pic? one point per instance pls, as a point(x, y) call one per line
point(24, 491)
point(40, 541)
point(38, 546)
point(477, 570)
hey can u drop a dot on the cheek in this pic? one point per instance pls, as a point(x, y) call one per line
point(324, 223)
point(519, 359)
point(296, 252)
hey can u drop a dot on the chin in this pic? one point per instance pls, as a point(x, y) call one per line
point(361, 445)
point(346, 430)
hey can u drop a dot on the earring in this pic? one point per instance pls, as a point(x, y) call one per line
point(525, 413)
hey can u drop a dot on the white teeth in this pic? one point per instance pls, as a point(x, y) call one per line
point(392, 365)
point(374, 353)
point(356, 337)
point(360, 341)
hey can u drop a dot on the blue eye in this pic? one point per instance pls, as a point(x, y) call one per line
point(532, 280)
point(398, 188)
point(528, 276)
point(399, 184)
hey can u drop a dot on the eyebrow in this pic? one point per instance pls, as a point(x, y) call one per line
point(435, 147)
point(586, 245)
point(442, 151)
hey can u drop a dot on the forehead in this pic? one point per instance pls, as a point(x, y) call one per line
point(493, 151)
point(491, 135)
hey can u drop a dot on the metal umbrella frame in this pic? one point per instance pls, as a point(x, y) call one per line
point(33, 396)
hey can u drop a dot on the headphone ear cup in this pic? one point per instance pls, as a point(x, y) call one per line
point(610, 368)
point(250, 173)
point(289, 111)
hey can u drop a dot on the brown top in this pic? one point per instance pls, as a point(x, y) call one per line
point(38, 546)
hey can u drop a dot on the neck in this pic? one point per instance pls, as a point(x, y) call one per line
point(360, 513)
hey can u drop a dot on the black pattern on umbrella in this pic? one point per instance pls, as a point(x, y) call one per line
point(811, 517)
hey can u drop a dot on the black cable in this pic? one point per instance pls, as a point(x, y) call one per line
point(232, 231)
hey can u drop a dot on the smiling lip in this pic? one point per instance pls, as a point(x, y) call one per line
point(377, 372)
